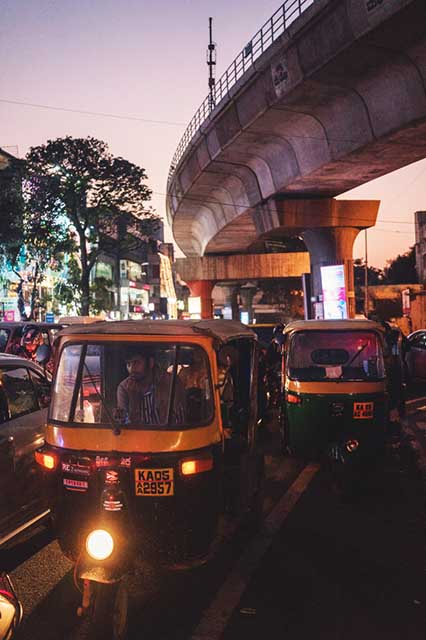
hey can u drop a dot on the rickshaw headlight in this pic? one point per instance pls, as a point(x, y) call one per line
point(99, 544)
point(352, 445)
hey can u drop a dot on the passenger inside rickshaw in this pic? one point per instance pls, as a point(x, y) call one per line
point(159, 384)
point(234, 367)
point(337, 355)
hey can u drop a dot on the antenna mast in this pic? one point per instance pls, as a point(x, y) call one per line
point(211, 63)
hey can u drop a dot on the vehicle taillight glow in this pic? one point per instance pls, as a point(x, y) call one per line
point(293, 399)
point(46, 460)
point(197, 465)
point(352, 445)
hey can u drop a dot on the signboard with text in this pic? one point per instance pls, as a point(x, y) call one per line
point(334, 292)
point(406, 303)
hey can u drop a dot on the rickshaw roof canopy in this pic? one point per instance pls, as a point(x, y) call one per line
point(333, 325)
point(220, 330)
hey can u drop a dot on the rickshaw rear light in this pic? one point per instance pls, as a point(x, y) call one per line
point(352, 445)
point(46, 460)
point(197, 465)
point(293, 399)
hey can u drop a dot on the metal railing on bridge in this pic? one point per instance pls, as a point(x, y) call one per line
point(271, 30)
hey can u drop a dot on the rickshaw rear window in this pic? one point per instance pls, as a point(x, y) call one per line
point(335, 355)
point(142, 385)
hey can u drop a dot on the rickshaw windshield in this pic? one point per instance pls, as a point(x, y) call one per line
point(335, 355)
point(143, 385)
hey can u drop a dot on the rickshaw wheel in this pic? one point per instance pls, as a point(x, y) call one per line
point(109, 612)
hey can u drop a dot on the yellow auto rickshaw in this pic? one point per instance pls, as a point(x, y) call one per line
point(151, 439)
point(334, 394)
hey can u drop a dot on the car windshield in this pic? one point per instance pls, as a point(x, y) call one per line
point(137, 384)
point(335, 355)
point(4, 336)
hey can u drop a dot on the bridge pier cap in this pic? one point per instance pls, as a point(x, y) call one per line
point(329, 228)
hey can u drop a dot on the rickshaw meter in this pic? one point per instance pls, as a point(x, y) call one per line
point(99, 544)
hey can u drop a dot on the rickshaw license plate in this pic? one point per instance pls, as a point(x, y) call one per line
point(363, 410)
point(154, 482)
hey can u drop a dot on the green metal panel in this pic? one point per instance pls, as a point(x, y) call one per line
point(320, 419)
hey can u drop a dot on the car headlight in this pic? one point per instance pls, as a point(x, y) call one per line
point(99, 544)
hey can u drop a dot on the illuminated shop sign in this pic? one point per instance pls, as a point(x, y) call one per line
point(334, 292)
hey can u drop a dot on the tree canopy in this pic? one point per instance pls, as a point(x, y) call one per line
point(402, 269)
point(85, 199)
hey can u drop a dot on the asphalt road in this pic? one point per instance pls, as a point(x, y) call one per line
point(319, 567)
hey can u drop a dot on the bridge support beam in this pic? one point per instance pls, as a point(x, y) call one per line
point(203, 289)
point(329, 246)
point(329, 228)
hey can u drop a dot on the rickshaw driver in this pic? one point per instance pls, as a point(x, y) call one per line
point(144, 395)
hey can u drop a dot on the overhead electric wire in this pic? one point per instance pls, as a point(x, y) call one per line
point(203, 200)
point(91, 113)
point(167, 122)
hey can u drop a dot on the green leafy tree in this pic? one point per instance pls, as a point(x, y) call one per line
point(66, 288)
point(79, 185)
point(29, 244)
point(402, 270)
point(11, 211)
point(375, 276)
point(101, 290)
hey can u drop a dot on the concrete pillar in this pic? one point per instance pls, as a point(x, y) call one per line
point(247, 293)
point(203, 289)
point(329, 246)
point(235, 302)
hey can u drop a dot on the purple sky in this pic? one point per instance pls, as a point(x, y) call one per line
point(146, 59)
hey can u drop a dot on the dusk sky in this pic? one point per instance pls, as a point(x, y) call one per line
point(146, 59)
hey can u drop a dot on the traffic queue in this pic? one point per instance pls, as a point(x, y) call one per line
point(154, 435)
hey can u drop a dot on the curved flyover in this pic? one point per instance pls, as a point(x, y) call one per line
point(328, 95)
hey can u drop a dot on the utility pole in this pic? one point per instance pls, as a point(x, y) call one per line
point(211, 63)
point(366, 277)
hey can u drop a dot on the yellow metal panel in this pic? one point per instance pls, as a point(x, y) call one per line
point(132, 440)
point(336, 386)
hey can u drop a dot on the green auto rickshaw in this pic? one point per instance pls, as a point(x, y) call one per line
point(334, 389)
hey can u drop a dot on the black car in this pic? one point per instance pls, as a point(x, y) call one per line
point(416, 356)
point(24, 397)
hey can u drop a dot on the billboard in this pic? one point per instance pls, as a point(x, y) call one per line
point(334, 292)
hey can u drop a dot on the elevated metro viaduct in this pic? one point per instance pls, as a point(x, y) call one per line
point(202, 274)
point(336, 99)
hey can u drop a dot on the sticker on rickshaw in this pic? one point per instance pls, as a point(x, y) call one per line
point(154, 482)
point(363, 410)
point(75, 485)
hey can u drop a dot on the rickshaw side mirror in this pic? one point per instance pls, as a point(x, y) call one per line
point(279, 338)
point(43, 354)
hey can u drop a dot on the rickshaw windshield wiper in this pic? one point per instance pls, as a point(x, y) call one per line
point(116, 430)
point(354, 357)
